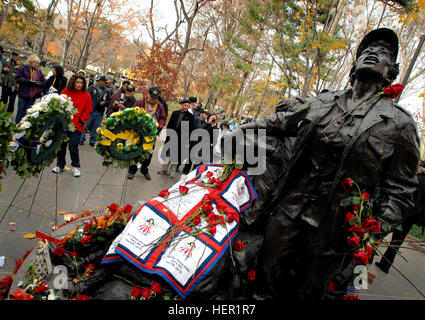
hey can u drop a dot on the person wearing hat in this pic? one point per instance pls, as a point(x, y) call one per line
point(357, 133)
point(9, 86)
point(193, 101)
point(155, 109)
point(126, 100)
point(178, 120)
point(100, 100)
point(156, 92)
point(119, 95)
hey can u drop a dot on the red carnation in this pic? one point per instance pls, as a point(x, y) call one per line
point(331, 286)
point(183, 190)
point(347, 184)
point(365, 196)
point(356, 207)
point(59, 251)
point(73, 253)
point(252, 275)
point(113, 207)
point(371, 224)
point(90, 268)
point(156, 287)
point(393, 91)
point(209, 174)
point(358, 230)
point(212, 180)
point(127, 208)
point(349, 216)
point(86, 240)
point(164, 194)
point(354, 241)
point(361, 257)
point(238, 245)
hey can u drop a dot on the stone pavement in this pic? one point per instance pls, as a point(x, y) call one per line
point(72, 193)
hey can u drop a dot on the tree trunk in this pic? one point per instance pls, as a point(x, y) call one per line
point(233, 105)
point(49, 15)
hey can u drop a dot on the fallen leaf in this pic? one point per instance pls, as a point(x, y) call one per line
point(404, 293)
point(12, 223)
point(61, 212)
point(20, 211)
point(29, 236)
point(67, 168)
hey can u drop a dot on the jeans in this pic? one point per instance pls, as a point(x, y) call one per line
point(24, 103)
point(74, 138)
point(7, 94)
point(92, 123)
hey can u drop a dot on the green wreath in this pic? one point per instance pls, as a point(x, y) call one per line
point(43, 131)
point(126, 138)
point(7, 130)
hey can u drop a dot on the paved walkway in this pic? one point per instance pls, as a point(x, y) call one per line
point(72, 193)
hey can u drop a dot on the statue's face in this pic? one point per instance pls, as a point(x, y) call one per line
point(373, 64)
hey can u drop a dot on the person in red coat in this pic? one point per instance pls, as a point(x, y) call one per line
point(81, 99)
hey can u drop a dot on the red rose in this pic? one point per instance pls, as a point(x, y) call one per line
point(164, 194)
point(218, 183)
point(207, 198)
point(371, 224)
point(209, 174)
point(146, 293)
point(365, 196)
point(82, 297)
point(41, 289)
point(252, 275)
point(356, 207)
point(212, 218)
point(230, 217)
point(361, 257)
point(349, 216)
point(196, 220)
point(59, 251)
point(331, 286)
point(351, 297)
point(113, 207)
point(393, 91)
point(183, 190)
point(357, 230)
point(346, 184)
point(73, 254)
point(212, 230)
point(354, 241)
point(238, 245)
point(156, 287)
point(369, 251)
point(127, 208)
point(86, 240)
point(135, 292)
point(207, 206)
point(20, 295)
point(89, 268)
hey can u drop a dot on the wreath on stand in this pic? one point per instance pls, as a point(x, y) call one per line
point(126, 138)
point(7, 130)
point(42, 133)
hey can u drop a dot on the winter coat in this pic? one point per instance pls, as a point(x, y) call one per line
point(29, 86)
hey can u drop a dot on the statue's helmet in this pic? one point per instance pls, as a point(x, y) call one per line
point(382, 34)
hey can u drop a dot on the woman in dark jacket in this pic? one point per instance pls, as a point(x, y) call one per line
point(57, 82)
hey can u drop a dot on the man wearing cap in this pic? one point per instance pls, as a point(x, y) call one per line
point(156, 91)
point(100, 100)
point(356, 133)
point(155, 109)
point(193, 101)
point(178, 120)
point(119, 95)
point(126, 100)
